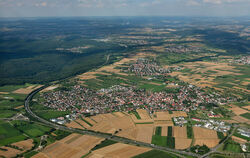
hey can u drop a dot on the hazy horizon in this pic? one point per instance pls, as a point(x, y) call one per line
point(82, 8)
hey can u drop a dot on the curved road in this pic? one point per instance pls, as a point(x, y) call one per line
point(103, 135)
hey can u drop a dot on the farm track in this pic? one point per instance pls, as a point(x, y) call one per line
point(104, 135)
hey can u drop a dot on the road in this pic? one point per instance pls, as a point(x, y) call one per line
point(108, 136)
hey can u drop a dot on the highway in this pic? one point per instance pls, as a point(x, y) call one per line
point(109, 136)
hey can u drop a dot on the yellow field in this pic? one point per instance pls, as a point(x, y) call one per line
point(143, 114)
point(247, 107)
point(73, 146)
point(73, 124)
point(238, 110)
point(118, 150)
point(27, 90)
point(24, 145)
point(10, 152)
point(179, 132)
point(144, 132)
point(182, 143)
point(181, 140)
point(205, 136)
point(241, 119)
point(84, 124)
point(50, 88)
point(208, 142)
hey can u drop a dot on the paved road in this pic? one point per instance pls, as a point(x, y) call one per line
point(105, 135)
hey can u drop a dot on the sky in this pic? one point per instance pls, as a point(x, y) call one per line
point(54, 8)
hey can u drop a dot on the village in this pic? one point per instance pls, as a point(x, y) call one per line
point(119, 98)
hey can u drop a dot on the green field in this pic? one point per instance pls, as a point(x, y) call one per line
point(246, 115)
point(104, 143)
point(10, 88)
point(171, 142)
point(158, 131)
point(86, 121)
point(136, 115)
point(170, 131)
point(232, 147)
point(156, 154)
point(220, 135)
point(51, 114)
point(9, 134)
point(241, 136)
point(31, 129)
point(189, 131)
point(159, 140)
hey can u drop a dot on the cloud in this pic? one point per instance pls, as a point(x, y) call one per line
point(192, 3)
point(41, 4)
point(224, 1)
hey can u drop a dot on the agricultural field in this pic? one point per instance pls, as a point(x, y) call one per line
point(155, 154)
point(232, 146)
point(31, 129)
point(11, 103)
point(9, 134)
point(16, 148)
point(206, 137)
point(118, 150)
point(74, 145)
point(219, 75)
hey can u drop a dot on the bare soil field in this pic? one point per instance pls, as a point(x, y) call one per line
point(24, 145)
point(182, 143)
point(118, 150)
point(239, 140)
point(205, 136)
point(73, 124)
point(27, 90)
point(73, 146)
